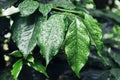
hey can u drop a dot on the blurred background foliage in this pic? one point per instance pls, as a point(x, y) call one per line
point(107, 12)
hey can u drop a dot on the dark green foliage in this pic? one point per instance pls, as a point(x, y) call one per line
point(44, 29)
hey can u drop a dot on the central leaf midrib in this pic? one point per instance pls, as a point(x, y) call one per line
point(47, 54)
point(33, 29)
point(30, 36)
point(76, 41)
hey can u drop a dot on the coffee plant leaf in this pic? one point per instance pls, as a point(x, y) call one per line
point(67, 4)
point(77, 45)
point(95, 33)
point(45, 8)
point(17, 68)
point(38, 66)
point(27, 7)
point(25, 35)
point(16, 53)
point(51, 36)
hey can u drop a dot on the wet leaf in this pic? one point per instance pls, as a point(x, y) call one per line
point(30, 58)
point(38, 66)
point(67, 4)
point(95, 33)
point(24, 35)
point(51, 36)
point(16, 53)
point(77, 45)
point(45, 8)
point(28, 7)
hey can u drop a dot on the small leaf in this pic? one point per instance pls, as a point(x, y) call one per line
point(51, 36)
point(16, 53)
point(38, 67)
point(30, 58)
point(17, 68)
point(116, 73)
point(28, 7)
point(24, 35)
point(95, 34)
point(45, 8)
point(67, 4)
point(77, 45)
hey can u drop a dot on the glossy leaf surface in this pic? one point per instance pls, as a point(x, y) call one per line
point(24, 35)
point(17, 68)
point(45, 8)
point(51, 36)
point(67, 4)
point(95, 32)
point(16, 53)
point(77, 45)
point(30, 58)
point(28, 7)
point(38, 67)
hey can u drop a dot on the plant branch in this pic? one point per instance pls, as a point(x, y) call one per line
point(70, 11)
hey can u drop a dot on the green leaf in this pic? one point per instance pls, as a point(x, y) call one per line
point(16, 53)
point(77, 45)
point(24, 35)
point(45, 8)
point(116, 73)
point(17, 68)
point(67, 4)
point(95, 33)
point(30, 58)
point(38, 67)
point(28, 7)
point(51, 36)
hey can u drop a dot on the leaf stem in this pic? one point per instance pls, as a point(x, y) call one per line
point(70, 11)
